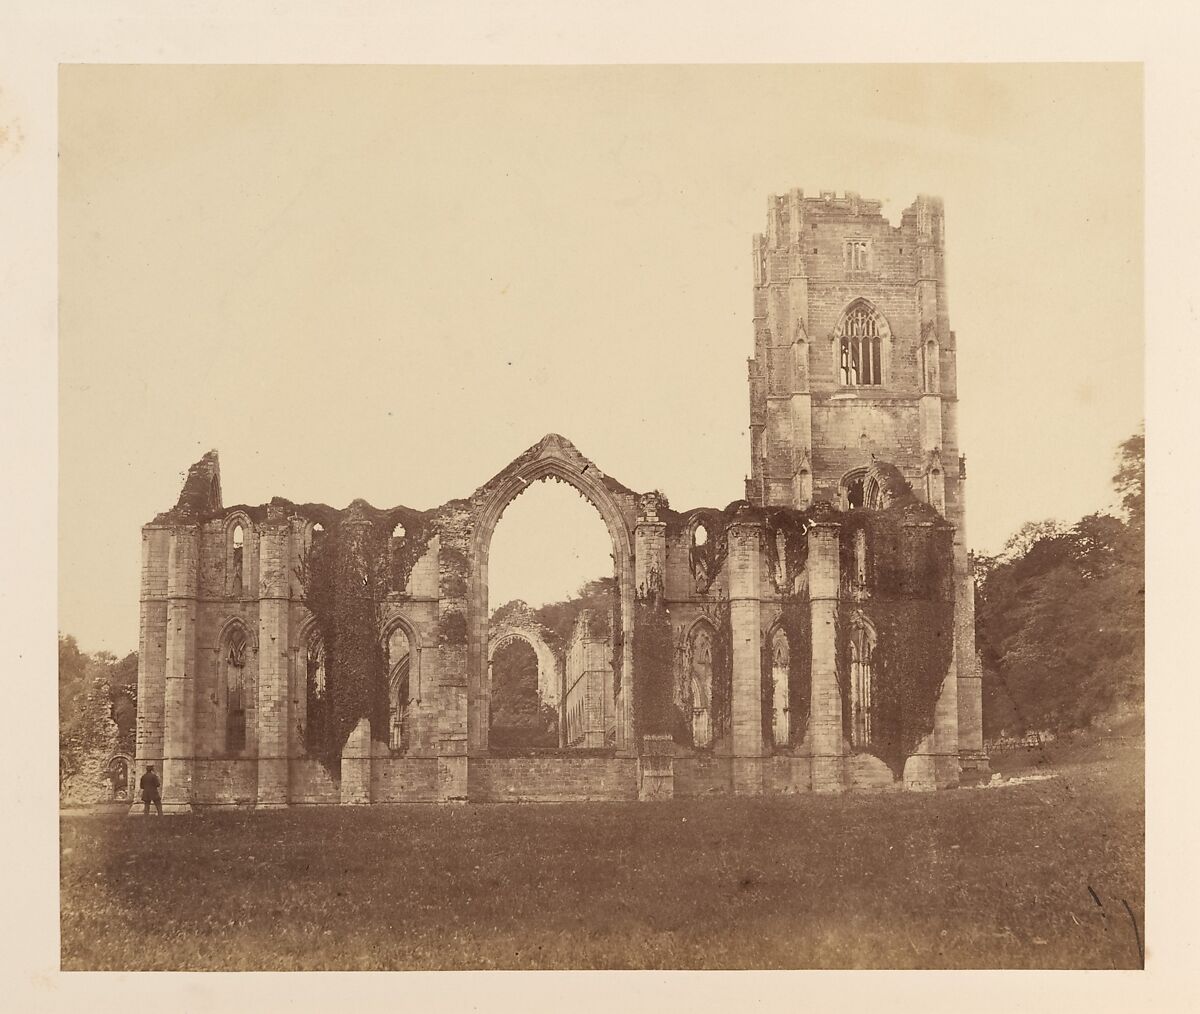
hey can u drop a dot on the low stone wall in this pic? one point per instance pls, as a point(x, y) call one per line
point(404, 780)
point(787, 774)
point(551, 778)
point(703, 774)
point(869, 772)
point(310, 782)
point(224, 782)
point(571, 776)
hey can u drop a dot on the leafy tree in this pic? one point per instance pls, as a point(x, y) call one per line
point(598, 597)
point(518, 716)
point(1130, 480)
point(1060, 617)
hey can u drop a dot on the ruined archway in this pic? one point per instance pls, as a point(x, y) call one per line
point(553, 458)
point(549, 672)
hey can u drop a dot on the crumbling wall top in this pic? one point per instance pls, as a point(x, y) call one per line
point(201, 492)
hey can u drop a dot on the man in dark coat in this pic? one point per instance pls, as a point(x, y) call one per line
point(150, 785)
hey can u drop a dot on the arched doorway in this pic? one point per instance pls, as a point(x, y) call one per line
point(117, 773)
point(554, 458)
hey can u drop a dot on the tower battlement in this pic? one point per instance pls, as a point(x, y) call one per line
point(854, 359)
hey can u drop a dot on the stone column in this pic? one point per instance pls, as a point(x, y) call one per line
point(458, 663)
point(180, 671)
point(826, 742)
point(972, 757)
point(152, 656)
point(649, 572)
point(274, 565)
point(745, 554)
point(655, 748)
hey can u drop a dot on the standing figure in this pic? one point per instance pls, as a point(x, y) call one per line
point(150, 785)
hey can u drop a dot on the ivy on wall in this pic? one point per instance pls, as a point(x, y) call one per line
point(908, 598)
point(722, 670)
point(785, 540)
point(346, 575)
point(652, 660)
point(908, 601)
point(715, 610)
point(706, 558)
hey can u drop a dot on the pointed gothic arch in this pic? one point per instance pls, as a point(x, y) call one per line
point(862, 343)
point(780, 655)
point(313, 712)
point(549, 675)
point(404, 677)
point(553, 458)
point(238, 540)
point(701, 645)
point(862, 658)
point(236, 684)
point(860, 489)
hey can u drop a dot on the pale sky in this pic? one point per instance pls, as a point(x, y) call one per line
point(387, 283)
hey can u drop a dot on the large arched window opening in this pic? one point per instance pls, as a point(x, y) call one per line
point(316, 701)
point(400, 699)
point(700, 672)
point(704, 552)
point(553, 458)
point(550, 570)
point(237, 571)
point(781, 666)
point(236, 690)
point(860, 491)
point(860, 348)
point(862, 676)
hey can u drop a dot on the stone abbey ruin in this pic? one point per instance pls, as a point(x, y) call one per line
point(816, 636)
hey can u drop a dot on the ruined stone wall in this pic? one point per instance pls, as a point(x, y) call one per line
point(589, 685)
point(735, 583)
point(566, 777)
point(808, 430)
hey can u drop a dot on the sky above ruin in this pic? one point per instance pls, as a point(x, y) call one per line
point(388, 282)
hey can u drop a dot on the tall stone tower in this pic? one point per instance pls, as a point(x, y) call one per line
point(854, 365)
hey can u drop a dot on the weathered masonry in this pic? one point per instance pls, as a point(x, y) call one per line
point(816, 636)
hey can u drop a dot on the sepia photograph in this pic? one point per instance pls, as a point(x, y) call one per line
point(517, 517)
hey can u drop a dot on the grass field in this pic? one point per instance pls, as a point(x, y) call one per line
point(1045, 874)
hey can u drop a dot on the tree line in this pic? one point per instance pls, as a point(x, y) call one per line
point(1060, 616)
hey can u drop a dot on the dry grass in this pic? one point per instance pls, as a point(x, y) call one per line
point(1027, 875)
